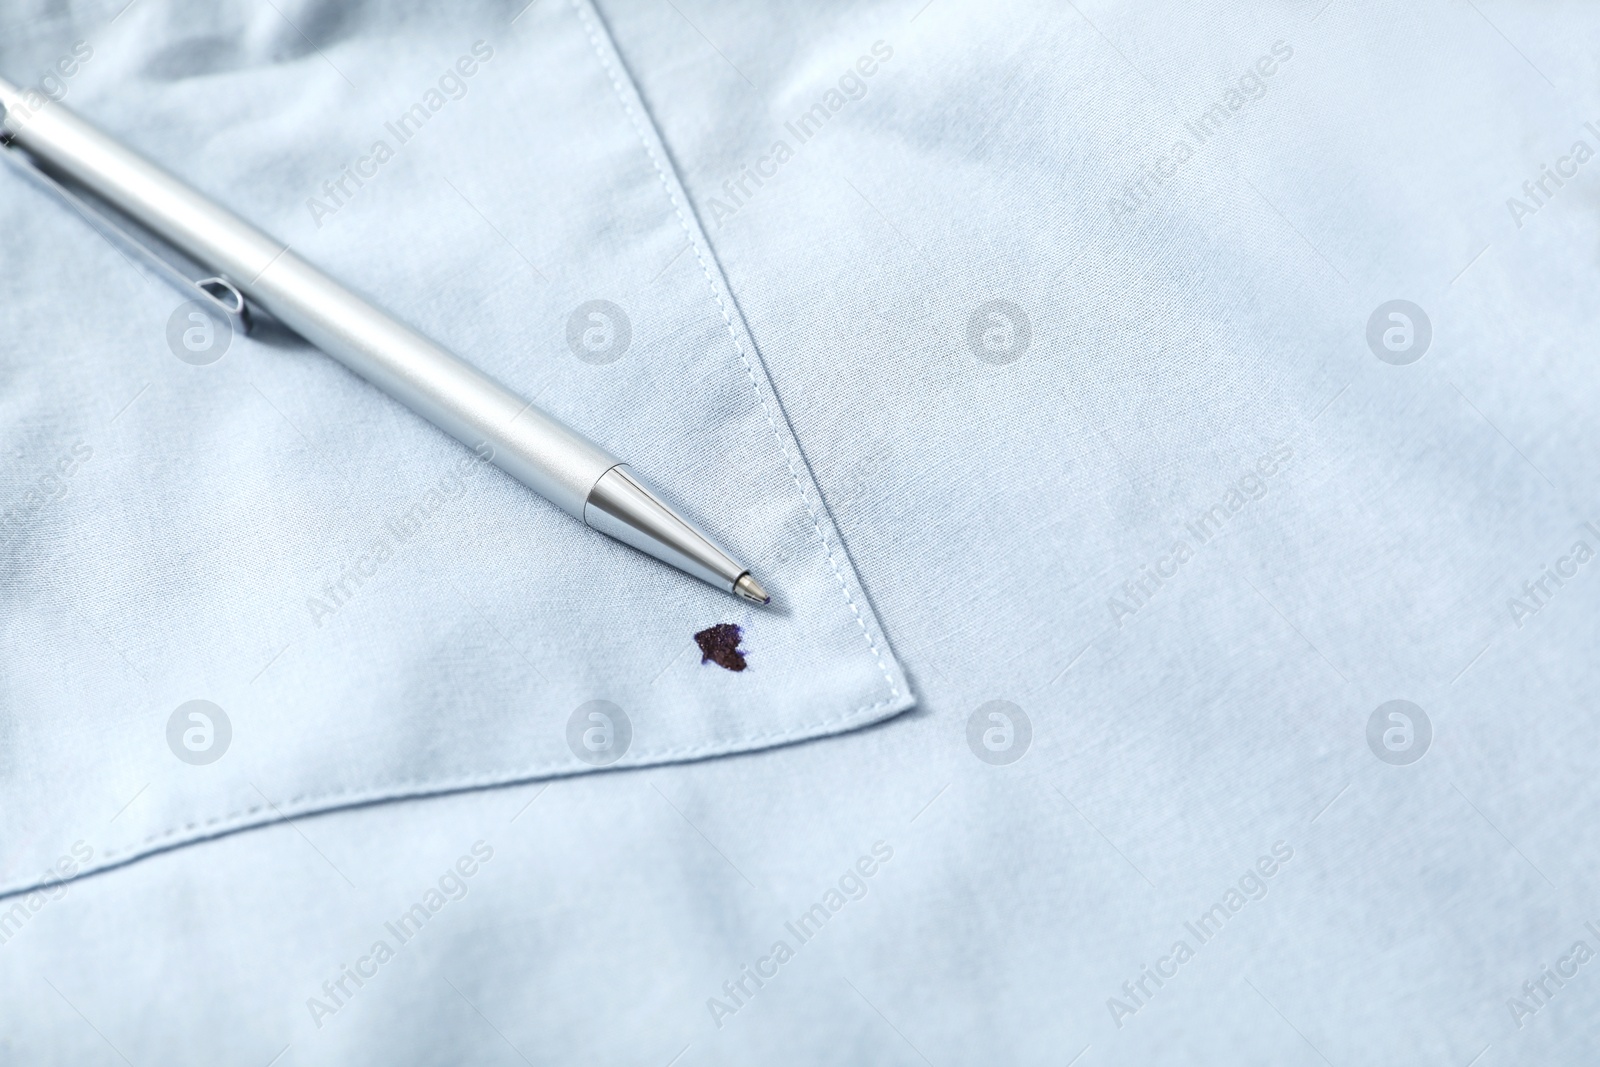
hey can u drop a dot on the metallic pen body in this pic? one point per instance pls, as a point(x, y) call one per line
point(556, 462)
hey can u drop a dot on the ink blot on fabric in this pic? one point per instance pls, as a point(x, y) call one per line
point(719, 644)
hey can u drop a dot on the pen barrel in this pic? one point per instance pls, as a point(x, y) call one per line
point(543, 454)
point(554, 461)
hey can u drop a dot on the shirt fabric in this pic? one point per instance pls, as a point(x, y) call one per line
point(1198, 394)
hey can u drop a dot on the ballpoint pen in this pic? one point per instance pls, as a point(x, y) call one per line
point(221, 259)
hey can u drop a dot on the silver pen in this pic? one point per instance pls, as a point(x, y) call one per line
point(218, 257)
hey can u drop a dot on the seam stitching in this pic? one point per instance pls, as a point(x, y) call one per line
point(300, 805)
point(306, 801)
point(582, 8)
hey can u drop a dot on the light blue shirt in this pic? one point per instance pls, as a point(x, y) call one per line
point(1164, 430)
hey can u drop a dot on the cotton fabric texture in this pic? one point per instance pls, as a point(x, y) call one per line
point(1078, 326)
point(376, 612)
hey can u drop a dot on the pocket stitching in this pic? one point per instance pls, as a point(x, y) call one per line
point(317, 802)
point(590, 20)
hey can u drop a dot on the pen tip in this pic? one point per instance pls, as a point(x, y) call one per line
point(751, 590)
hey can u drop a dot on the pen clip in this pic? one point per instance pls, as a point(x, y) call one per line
point(177, 270)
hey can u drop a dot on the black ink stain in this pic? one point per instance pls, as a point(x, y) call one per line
point(719, 644)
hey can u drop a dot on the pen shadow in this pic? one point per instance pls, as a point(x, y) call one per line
point(269, 331)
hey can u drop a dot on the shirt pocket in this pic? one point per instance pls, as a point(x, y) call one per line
point(256, 588)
